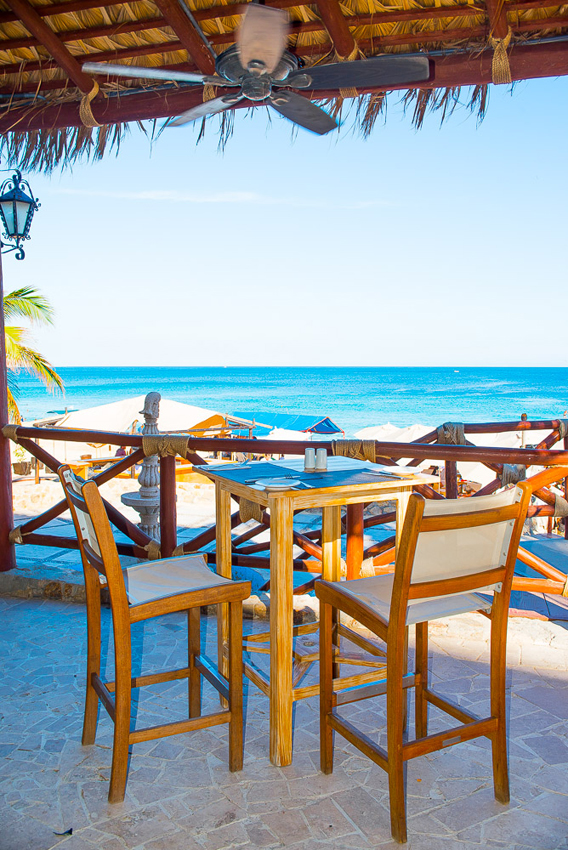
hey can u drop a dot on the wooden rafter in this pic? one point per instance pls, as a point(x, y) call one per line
point(50, 41)
point(191, 39)
point(337, 26)
point(497, 15)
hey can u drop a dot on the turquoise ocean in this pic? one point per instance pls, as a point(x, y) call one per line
point(352, 397)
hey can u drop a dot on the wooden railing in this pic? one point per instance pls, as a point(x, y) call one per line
point(249, 553)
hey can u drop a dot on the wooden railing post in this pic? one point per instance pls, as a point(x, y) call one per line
point(451, 479)
point(168, 513)
point(354, 528)
point(7, 549)
point(566, 494)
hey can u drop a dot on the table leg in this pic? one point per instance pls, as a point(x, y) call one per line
point(281, 635)
point(331, 562)
point(223, 541)
point(354, 528)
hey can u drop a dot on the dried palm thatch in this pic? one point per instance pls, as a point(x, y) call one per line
point(52, 113)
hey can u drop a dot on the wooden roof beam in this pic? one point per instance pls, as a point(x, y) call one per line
point(499, 26)
point(455, 69)
point(192, 39)
point(32, 22)
point(337, 27)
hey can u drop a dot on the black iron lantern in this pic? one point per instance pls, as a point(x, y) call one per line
point(17, 208)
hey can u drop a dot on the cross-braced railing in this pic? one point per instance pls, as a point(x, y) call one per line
point(434, 447)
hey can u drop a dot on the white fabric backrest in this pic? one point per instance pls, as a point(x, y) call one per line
point(83, 518)
point(463, 551)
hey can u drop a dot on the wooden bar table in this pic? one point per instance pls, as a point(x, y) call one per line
point(346, 482)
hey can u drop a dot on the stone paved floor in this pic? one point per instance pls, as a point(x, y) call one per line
point(181, 796)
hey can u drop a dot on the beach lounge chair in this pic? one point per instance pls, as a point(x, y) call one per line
point(138, 593)
point(452, 552)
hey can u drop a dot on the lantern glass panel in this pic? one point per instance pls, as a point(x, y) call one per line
point(22, 212)
point(8, 216)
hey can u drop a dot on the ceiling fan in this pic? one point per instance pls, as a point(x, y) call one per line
point(262, 70)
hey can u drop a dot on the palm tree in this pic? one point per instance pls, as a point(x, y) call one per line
point(27, 303)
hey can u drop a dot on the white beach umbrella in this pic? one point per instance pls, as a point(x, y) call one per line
point(125, 416)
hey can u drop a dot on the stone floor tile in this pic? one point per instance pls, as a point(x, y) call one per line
point(552, 805)
point(326, 820)
point(549, 747)
point(469, 810)
point(289, 827)
point(527, 829)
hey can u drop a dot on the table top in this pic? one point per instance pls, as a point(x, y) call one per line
point(342, 473)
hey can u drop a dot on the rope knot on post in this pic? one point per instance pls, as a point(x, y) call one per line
point(500, 67)
point(164, 445)
point(250, 510)
point(85, 110)
point(356, 449)
point(15, 536)
point(11, 433)
point(562, 428)
point(451, 434)
point(512, 473)
point(153, 550)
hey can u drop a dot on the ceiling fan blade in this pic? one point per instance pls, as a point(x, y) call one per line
point(383, 70)
point(302, 111)
point(261, 37)
point(209, 107)
point(154, 74)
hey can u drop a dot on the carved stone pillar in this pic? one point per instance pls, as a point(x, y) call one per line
point(146, 501)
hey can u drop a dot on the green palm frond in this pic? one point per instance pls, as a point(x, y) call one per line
point(28, 303)
point(13, 410)
point(36, 364)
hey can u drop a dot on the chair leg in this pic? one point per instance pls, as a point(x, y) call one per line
point(421, 669)
point(236, 740)
point(122, 702)
point(93, 590)
point(405, 691)
point(395, 724)
point(326, 686)
point(498, 701)
point(194, 648)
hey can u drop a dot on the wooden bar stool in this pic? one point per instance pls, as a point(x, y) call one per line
point(451, 551)
point(138, 593)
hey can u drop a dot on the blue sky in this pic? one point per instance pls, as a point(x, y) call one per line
point(443, 246)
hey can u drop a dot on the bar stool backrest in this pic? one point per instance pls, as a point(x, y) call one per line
point(453, 547)
point(466, 549)
point(96, 541)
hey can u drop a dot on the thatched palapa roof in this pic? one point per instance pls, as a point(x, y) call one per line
point(46, 116)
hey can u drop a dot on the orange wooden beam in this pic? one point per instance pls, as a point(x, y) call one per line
point(497, 18)
point(32, 21)
point(337, 26)
point(189, 36)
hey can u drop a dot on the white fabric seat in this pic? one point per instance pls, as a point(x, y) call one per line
point(376, 591)
point(152, 580)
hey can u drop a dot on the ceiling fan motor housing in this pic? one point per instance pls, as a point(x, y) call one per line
point(228, 65)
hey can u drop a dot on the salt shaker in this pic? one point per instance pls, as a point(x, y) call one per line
point(310, 460)
point(321, 460)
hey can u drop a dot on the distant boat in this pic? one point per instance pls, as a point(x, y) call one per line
point(456, 370)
